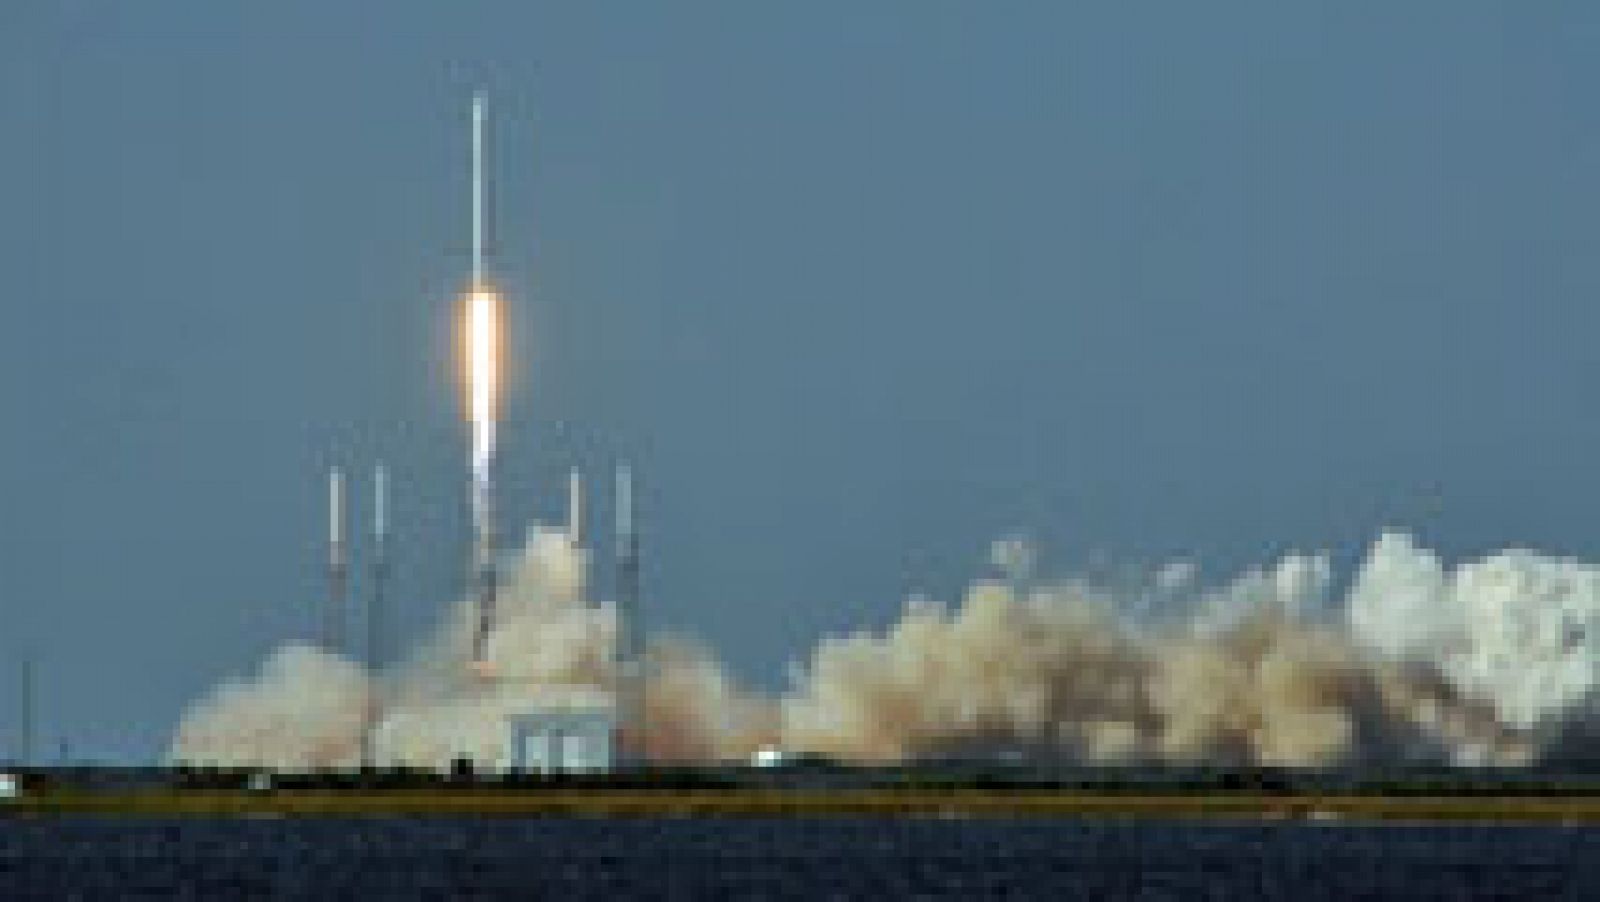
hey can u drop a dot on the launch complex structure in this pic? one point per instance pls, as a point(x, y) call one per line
point(482, 332)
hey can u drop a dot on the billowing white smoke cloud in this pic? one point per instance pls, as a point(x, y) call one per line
point(1477, 664)
point(1519, 629)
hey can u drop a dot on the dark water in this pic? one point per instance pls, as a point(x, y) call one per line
point(789, 859)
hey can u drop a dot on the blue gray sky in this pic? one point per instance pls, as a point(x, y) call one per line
point(859, 286)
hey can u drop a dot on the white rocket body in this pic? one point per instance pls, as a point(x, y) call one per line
point(480, 114)
point(380, 503)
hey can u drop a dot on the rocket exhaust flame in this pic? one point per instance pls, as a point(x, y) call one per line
point(483, 372)
point(481, 325)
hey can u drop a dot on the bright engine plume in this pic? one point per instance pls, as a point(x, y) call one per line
point(481, 324)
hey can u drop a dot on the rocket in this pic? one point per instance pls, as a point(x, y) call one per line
point(480, 115)
point(481, 323)
point(380, 502)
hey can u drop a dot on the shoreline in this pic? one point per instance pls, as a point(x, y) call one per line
point(602, 803)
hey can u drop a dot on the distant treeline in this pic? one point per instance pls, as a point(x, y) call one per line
point(823, 775)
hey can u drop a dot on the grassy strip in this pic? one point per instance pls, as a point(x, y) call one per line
point(633, 803)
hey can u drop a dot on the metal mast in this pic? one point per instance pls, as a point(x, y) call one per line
point(630, 665)
point(338, 565)
point(375, 607)
point(575, 507)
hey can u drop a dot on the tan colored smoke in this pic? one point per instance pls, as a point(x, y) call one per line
point(304, 710)
point(1259, 670)
point(551, 647)
point(1050, 673)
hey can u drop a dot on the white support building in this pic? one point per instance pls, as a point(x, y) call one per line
point(563, 740)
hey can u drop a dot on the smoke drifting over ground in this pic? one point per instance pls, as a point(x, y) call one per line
point(1492, 661)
